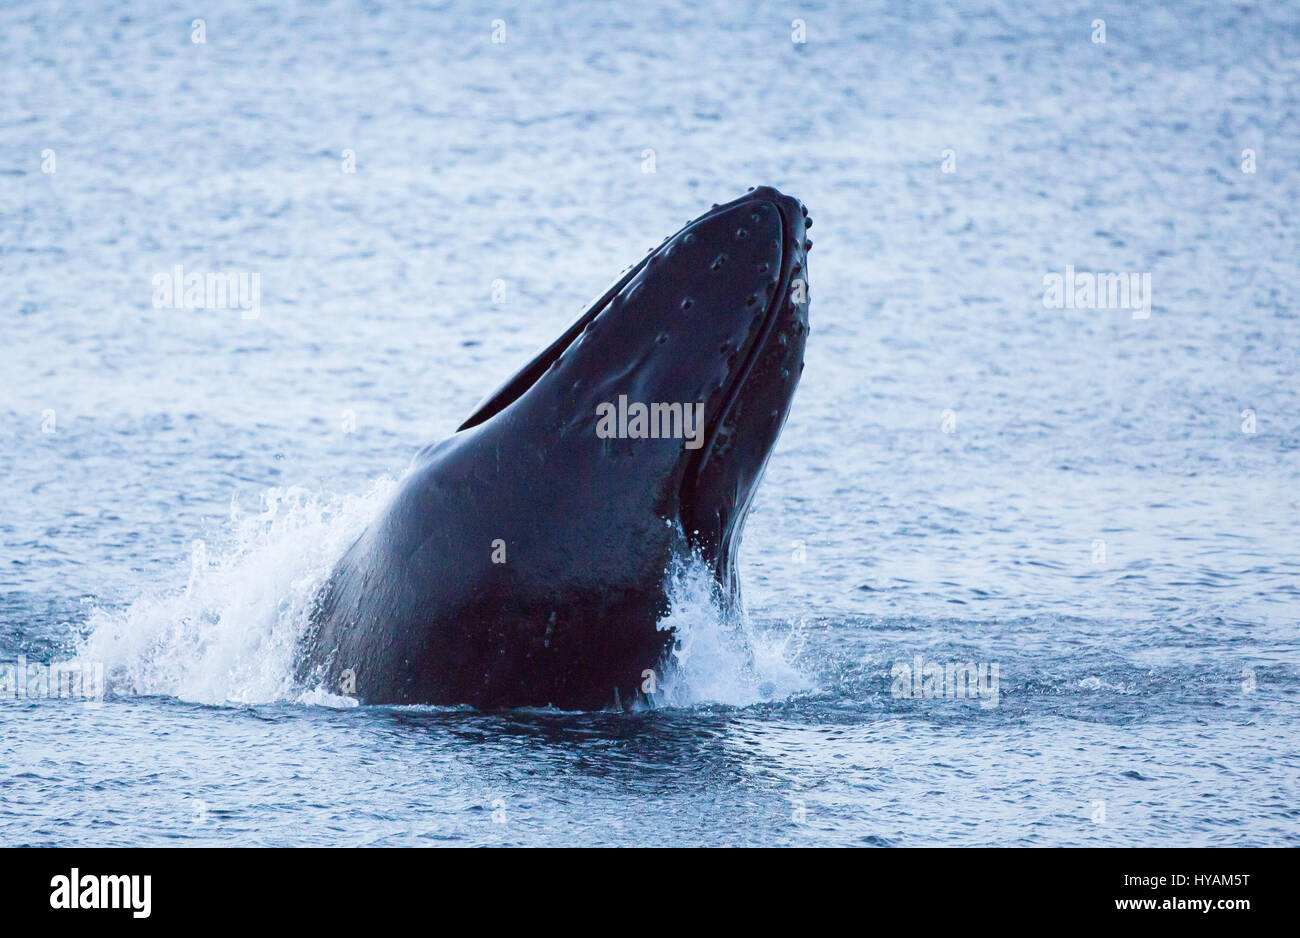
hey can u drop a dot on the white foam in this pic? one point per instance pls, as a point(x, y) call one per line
point(720, 657)
point(230, 634)
point(1096, 683)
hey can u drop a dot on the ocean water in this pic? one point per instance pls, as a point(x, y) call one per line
point(1098, 511)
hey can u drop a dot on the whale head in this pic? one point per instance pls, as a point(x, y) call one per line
point(669, 391)
point(524, 559)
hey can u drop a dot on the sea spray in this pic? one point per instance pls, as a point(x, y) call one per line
point(719, 655)
point(230, 634)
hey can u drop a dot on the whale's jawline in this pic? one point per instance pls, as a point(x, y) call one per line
point(518, 384)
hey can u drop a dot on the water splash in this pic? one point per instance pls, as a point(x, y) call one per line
point(720, 655)
point(229, 636)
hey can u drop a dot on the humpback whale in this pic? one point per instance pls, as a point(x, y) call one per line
point(523, 560)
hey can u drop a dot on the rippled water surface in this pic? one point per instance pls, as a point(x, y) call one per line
point(1104, 508)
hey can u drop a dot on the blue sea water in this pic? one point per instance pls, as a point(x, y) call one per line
point(1105, 508)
